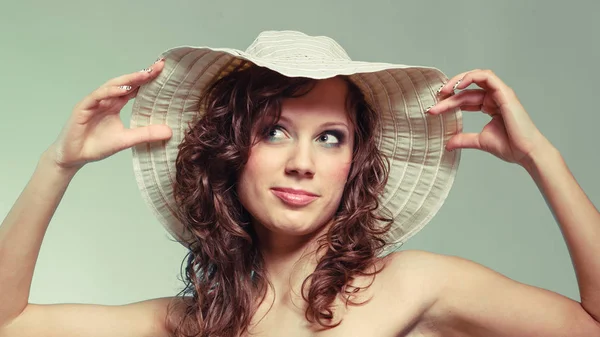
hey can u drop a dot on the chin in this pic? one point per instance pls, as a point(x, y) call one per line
point(295, 225)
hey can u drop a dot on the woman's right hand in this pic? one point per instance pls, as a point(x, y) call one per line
point(95, 131)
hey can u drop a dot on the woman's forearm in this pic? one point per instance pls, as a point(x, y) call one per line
point(579, 221)
point(22, 233)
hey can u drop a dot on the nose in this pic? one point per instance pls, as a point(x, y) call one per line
point(300, 160)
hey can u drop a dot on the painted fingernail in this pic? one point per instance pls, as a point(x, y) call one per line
point(457, 83)
point(429, 108)
point(159, 59)
point(125, 87)
point(147, 70)
point(440, 89)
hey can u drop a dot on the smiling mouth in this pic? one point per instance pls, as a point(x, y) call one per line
point(294, 197)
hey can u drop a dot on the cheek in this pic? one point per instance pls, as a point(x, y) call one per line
point(260, 165)
point(337, 173)
point(341, 174)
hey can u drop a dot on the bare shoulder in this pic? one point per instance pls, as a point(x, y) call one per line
point(152, 317)
point(409, 282)
point(412, 257)
point(417, 266)
point(462, 297)
point(426, 278)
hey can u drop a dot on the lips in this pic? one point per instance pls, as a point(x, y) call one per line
point(294, 197)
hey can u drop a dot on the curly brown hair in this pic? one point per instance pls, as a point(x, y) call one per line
point(225, 276)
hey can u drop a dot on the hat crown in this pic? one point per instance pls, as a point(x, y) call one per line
point(296, 45)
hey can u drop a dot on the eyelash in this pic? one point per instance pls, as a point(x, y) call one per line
point(337, 134)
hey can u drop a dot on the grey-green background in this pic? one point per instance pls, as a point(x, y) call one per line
point(104, 246)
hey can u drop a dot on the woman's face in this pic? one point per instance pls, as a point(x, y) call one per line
point(295, 176)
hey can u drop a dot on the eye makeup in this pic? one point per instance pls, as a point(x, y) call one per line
point(338, 134)
point(270, 134)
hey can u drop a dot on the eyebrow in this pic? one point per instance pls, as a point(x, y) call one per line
point(330, 124)
point(326, 124)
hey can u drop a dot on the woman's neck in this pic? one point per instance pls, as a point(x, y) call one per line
point(288, 260)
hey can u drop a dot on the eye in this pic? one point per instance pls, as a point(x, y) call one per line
point(328, 138)
point(331, 138)
point(274, 133)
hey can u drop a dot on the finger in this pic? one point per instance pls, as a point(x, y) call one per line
point(464, 141)
point(103, 93)
point(150, 133)
point(466, 98)
point(132, 94)
point(139, 77)
point(448, 88)
point(127, 82)
point(485, 79)
point(115, 105)
point(473, 108)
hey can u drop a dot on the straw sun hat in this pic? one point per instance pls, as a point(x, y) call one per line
point(421, 170)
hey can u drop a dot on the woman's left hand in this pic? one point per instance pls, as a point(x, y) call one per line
point(510, 135)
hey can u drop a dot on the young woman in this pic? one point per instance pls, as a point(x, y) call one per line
point(294, 175)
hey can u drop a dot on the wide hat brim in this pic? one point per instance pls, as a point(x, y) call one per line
point(421, 170)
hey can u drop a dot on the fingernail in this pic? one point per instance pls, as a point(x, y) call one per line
point(457, 83)
point(147, 70)
point(125, 87)
point(429, 108)
point(440, 89)
point(159, 59)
